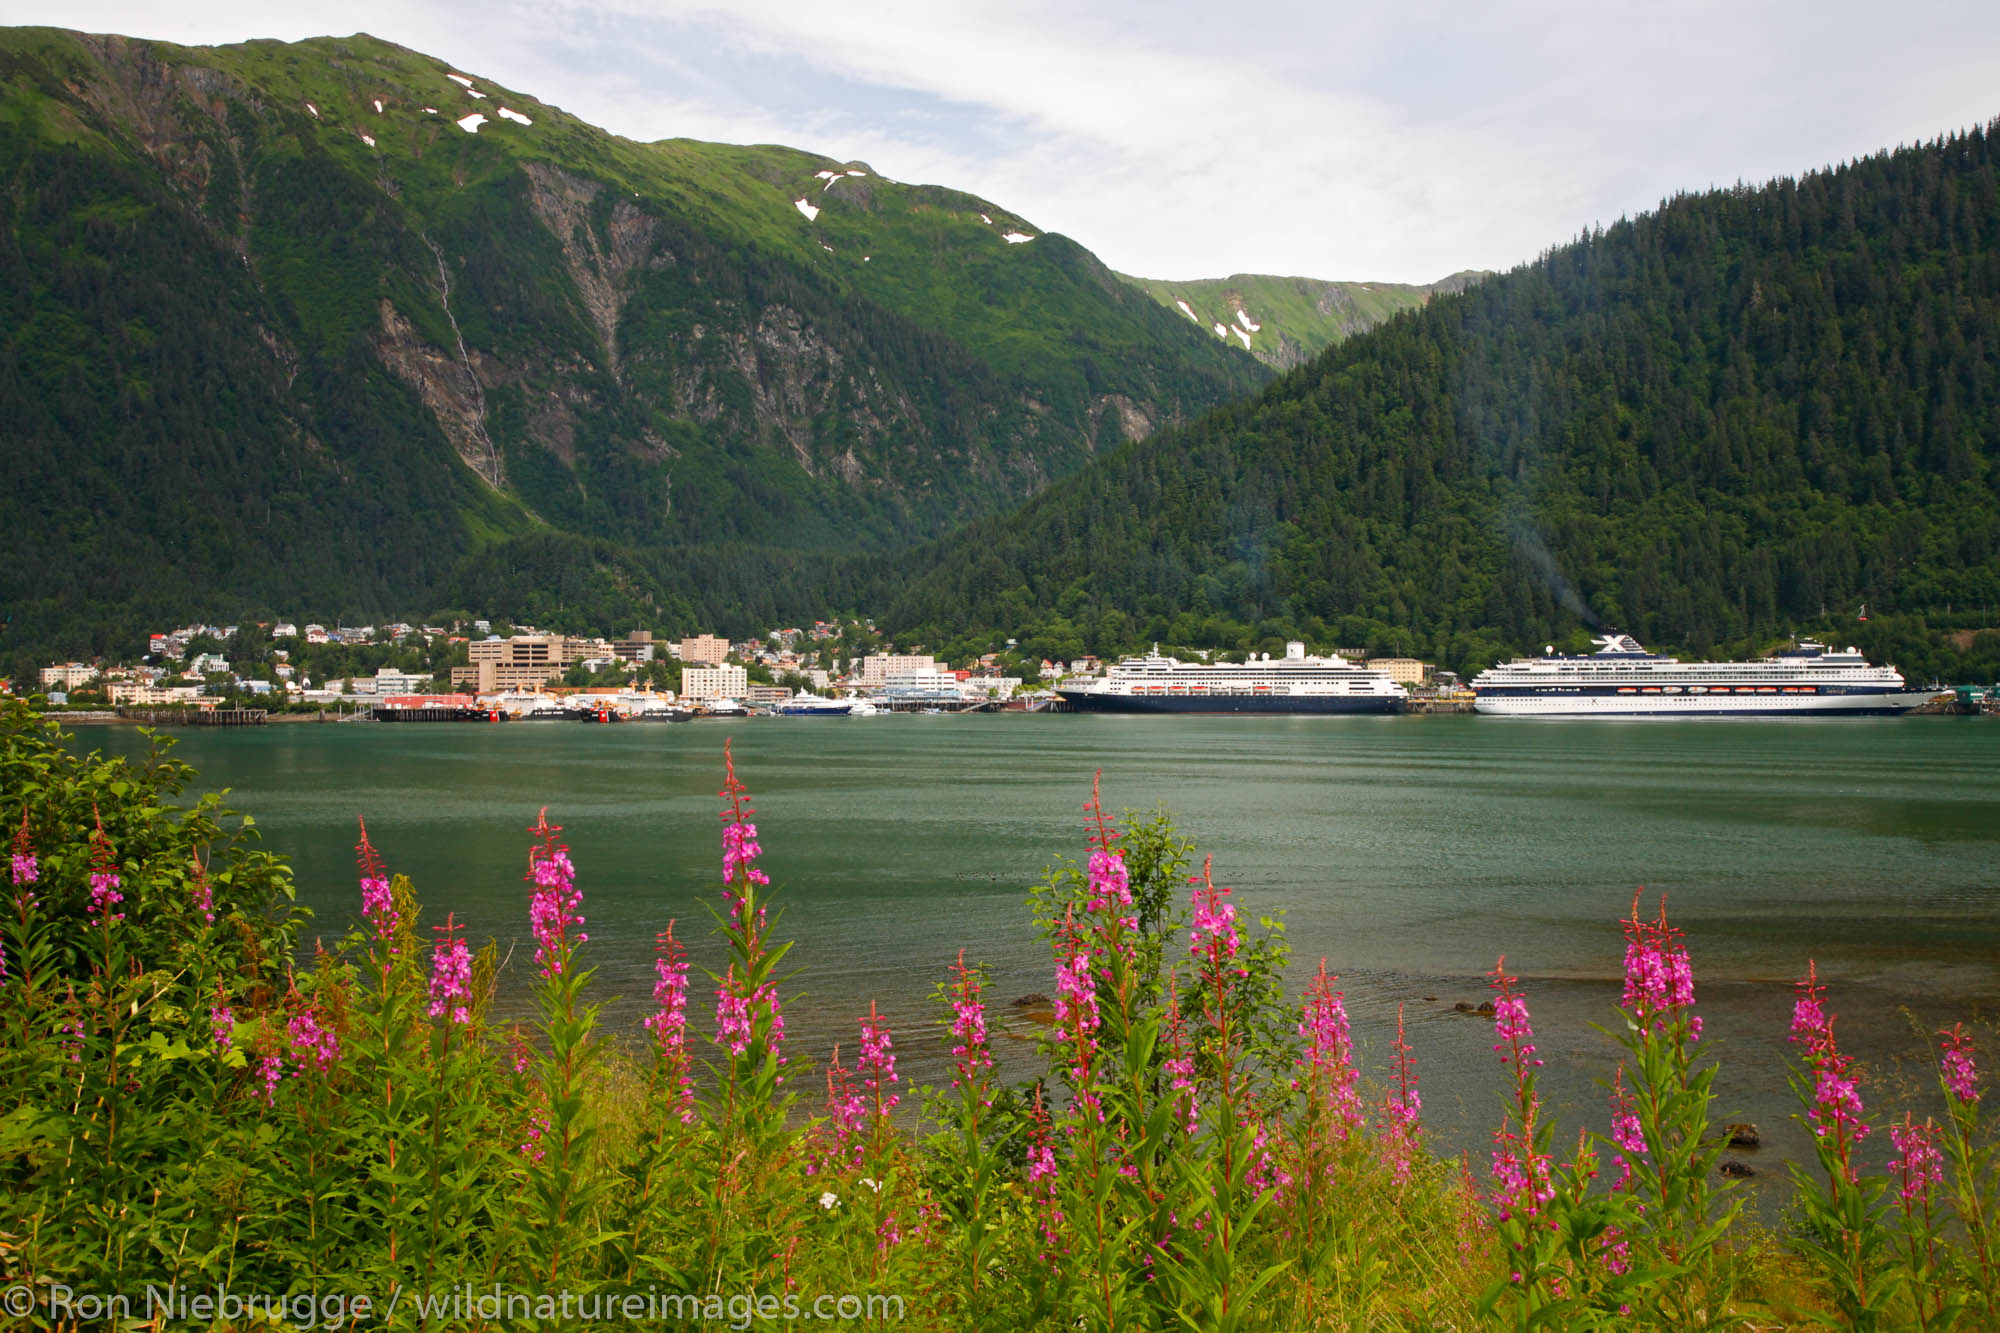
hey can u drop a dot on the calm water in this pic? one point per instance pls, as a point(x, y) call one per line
point(1409, 852)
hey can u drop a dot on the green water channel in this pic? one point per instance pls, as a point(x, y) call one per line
point(1409, 852)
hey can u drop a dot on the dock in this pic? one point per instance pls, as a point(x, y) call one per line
point(194, 717)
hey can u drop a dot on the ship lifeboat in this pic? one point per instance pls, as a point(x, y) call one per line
point(1627, 689)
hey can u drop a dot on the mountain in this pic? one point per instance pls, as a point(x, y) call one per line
point(1285, 322)
point(1750, 411)
point(337, 328)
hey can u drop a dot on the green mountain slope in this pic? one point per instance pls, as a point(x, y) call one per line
point(1285, 322)
point(1747, 411)
point(289, 328)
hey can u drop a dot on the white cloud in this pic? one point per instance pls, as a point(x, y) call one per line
point(1385, 143)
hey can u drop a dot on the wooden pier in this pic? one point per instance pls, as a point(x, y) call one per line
point(194, 717)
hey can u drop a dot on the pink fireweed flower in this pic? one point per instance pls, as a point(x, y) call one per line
point(877, 1063)
point(1917, 1165)
point(518, 1050)
point(1328, 1062)
point(1215, 935)
point(739, 836)
point(451, 974)
point(271, 1068)
point(1402, 1108)
point(313, 1043)
point(1111, 887)
point(1659, 979)
point(223, 1023)
point(1626, 1131)
point(839, 1143)
point(1077, 1017)
point(736, 1014)
point(203, 892)
point(1955, 1066)
point(26, 868)
point(668, 1023)
point(1179, 1064)
point(1835, 1113)
point(531, 1146)
point(732, 1015)
point(1522, 1174)
point(104, 894)
point(552, 910)
point(378, 902)
point(1811, 1027)
point(971, 1053)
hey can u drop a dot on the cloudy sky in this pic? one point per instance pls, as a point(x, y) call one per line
point(1397, 140)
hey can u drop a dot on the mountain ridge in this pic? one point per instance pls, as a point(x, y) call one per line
point(1296, 317)
point(339, 286)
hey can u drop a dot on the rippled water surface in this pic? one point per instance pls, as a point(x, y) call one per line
point(1409, 852)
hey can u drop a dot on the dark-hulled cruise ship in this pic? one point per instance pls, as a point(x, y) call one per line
point(1294, 683)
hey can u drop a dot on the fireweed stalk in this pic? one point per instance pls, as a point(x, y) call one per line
point(1666, 1155)
point(562, 1186)
point(1338, 1267)
point(1219, 1202)
point(1916, 1170)
point(875, 1072)
point(1402, 1109)
point(1551, 1229)
point(1843, 1217)
point(386, 1036)
point(750, 1144)
point(1971, 1157)
point(966, 1114)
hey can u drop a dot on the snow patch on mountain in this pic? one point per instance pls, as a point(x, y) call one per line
point(516, 116)
point(470, 124)
point(806, 208)
point(1185, 310)
point(1016, 237)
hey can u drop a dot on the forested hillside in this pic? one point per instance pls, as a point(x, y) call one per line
point(1752, 410)
point(335, 328)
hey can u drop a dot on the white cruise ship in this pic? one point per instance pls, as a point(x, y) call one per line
point(1294, 683)
point(1622, 679)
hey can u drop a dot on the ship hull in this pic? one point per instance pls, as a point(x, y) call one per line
point(1686, 705)
point(1090, 701)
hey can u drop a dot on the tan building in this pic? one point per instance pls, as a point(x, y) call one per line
point(125, 693)
point(714, 682)
point(704, 649)
point(526, 661)
point(67, 675)
point(1402, 670)
point(875, 671)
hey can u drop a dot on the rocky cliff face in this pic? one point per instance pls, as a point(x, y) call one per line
point(663, 344)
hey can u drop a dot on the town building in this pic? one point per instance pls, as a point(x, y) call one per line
point(67, 675)
point(714, 682)
point(525, 661)
point(875, 671)
point(705, 649)
point(1402, 670)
